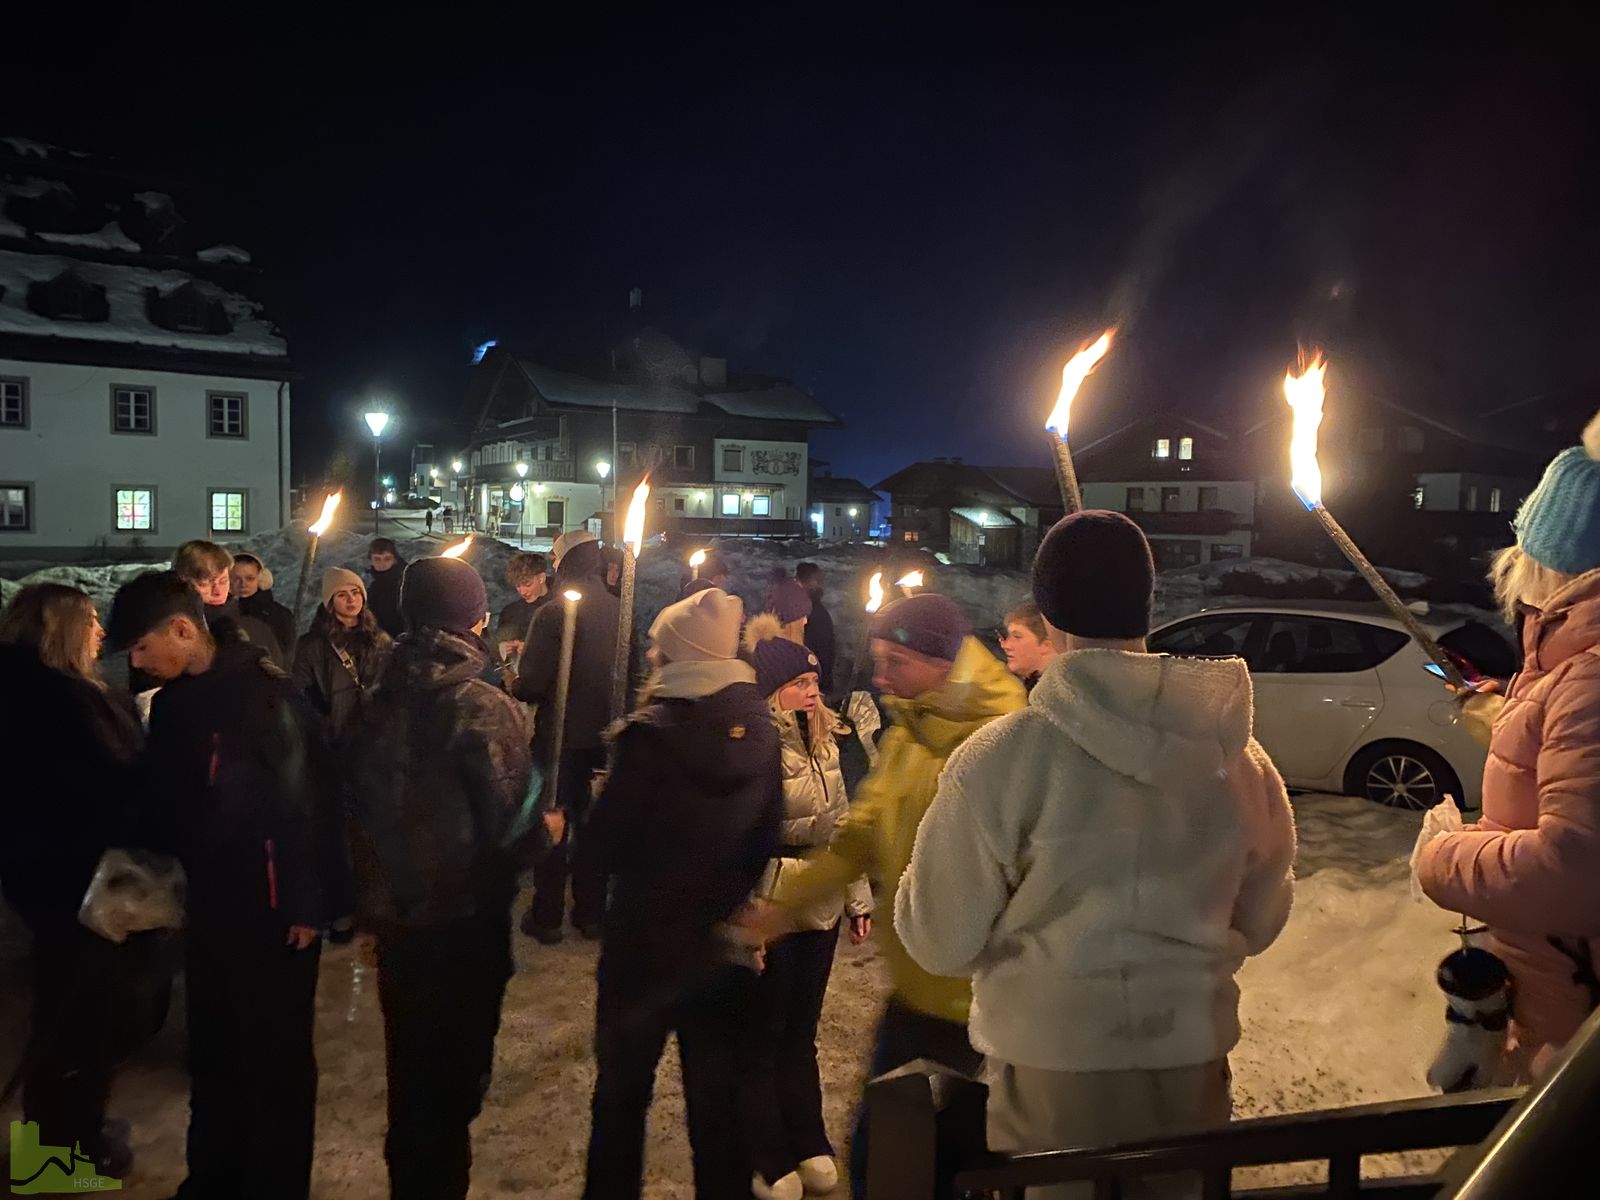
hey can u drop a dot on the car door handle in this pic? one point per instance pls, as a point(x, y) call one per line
point(1352, 702)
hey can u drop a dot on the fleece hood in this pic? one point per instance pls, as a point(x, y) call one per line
point(978, 689)
point(1156, 719)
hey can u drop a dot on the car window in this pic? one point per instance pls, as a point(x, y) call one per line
point(1323, 646)
point(1484, 649)
point(1221, 636)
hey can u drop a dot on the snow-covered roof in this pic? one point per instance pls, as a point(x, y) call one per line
point(774, 402)
point(129, 323)
point(110, 237)
point(223, 254)
point(986, 518)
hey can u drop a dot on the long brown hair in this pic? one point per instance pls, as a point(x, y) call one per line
point(55, 621)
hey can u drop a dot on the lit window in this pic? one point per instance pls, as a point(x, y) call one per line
point(227, 414)
point(730, 504)
point(1163, 448)
point(1494, 499)
point(911, 535)
point(227, 512)
point(136, 509)
point(761, 506)
point(133, 410)
point(16, 509)
point(14, 403)
point(1186, 448)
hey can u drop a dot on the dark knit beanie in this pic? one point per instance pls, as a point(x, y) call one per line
point(779, 661)
point(1093, 576)
point(928, 623)
point(695, 585)
point(442, 593)
point(790, 601)
point(150, 600)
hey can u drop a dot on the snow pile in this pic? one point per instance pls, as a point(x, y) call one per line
point(125, 291)
point(100, 582)
point(27, 147)
point(110, 237)
point(223, 254)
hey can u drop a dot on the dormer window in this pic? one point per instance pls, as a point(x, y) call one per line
point(69, 297)
point(187, 308)
point(1186, 449)
point(1163, 448)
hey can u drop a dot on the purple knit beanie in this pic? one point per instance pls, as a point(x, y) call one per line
point(778, 661)
point(790, 601)
point(1093, 576)
point(442, 593)
point(928, 623)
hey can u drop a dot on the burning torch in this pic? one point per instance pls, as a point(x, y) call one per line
point(1079, 367)
point(632, 541)
point(1305, 393)
point(569, 637)
point(907, 583)
point(458, 549)
point(696, 561)
point(329, 504)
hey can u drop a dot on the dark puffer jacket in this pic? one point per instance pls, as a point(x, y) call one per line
point(68, 755)
point(442, 814)
point(383, 597)
point(594, 651)
point(687, 821)
point(276, 617)
point(332, 688)
point(240, 784)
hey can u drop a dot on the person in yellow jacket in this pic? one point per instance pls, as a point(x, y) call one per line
point(940, 686)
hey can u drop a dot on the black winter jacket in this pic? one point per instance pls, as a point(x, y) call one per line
point(594, 653)
point(328, 684)
point(240, 784)
point(68, 755)
point(383, 597)
point(442, 807)
point(514, 619)
point(689, 817)
point(819, 640)
point(276, 617)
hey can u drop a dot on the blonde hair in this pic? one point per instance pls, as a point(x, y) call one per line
point(821, 721)
point(54, 621)
point(197, 561)
point(1519, 578)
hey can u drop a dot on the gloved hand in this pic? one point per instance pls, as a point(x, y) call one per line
point(1442, 818)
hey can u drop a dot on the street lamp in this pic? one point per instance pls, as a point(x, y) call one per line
point(377, 422)
point(602, 469)
point(520, 495)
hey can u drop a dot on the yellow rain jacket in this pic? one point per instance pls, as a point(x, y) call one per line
point(876, 835)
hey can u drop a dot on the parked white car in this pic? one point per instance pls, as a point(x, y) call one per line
point(1344, 700)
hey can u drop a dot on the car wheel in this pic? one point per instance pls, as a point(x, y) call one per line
point(1402, 775)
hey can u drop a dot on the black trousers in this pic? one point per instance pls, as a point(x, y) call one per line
point(94, 1002)
point(905, 1035)
point(783, 1090)
point(252, 1066)
point(571, 858)
point(441, 990)
point(634, 1015)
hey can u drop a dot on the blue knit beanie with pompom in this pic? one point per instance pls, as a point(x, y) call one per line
point(1559, 524)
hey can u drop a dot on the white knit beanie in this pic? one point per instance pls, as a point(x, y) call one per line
point(336, 579)
point(702, 628)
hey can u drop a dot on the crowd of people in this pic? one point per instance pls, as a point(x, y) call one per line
point(1065, 858)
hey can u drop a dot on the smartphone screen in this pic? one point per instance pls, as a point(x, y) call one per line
point(1434, 669)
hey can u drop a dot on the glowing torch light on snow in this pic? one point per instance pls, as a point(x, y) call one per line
point(458, 549)
point(875, 593)
point(1305, 393)
point(909, 582)
point(329, 505)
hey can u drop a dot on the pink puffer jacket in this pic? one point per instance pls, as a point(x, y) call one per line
point(1530, 870)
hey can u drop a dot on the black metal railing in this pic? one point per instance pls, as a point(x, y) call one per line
point(927, 1144)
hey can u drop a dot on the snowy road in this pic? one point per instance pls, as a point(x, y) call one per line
point(1342, 1010)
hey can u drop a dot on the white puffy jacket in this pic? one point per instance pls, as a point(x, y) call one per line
point(814, 801)
point(1102, 862)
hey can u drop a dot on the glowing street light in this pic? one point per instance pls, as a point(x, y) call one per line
point(457, 466)
point(377, 421)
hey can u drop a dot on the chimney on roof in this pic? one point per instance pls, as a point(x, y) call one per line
point(635, 299)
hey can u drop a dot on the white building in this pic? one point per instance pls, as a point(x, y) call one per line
point(142, 403)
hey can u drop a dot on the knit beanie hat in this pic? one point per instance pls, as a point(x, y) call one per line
point(567, 541)
point(442, 593)
point(337, 579)
point(777, 659)
point(790, 601)
point(930, 624)
point(1559, 524)
point(695, 585)
point(703, 627)
point(147, 601)
point(1093, 576)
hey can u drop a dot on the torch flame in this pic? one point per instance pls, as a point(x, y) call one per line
point(909, 581)
point(1079, 367)
point(875, 593)
point(329, 503)
point(697, 559)
point(633, 527)
point(572, 596)
point(1304, 393)
point(458, 549)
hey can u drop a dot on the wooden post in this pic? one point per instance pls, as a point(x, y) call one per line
point(1066, 474)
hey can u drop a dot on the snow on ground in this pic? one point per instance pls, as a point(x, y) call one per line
point(224, 254)
point(1341, 1010)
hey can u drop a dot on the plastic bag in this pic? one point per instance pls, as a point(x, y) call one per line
point(132, 891)
point(1442, 818)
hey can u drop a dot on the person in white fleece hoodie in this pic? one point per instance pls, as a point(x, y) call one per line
point(1101, 863)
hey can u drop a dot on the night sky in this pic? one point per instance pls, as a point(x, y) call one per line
point(915, 220)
